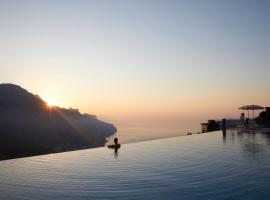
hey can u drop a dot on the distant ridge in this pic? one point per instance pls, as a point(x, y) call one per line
point(29, 127)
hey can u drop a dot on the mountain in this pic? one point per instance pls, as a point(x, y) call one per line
point(28, 126)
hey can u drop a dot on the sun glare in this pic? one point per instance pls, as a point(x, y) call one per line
point(51, 102)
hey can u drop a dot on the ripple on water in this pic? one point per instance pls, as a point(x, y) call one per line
point(205, 166)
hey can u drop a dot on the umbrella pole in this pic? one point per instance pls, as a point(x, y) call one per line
point(253, 114)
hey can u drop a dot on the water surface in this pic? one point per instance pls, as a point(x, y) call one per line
point(203, 166)
point(135, 130)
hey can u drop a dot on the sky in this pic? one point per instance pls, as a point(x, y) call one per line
point(146, 59)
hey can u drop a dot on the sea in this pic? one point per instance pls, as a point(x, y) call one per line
point(129, 131)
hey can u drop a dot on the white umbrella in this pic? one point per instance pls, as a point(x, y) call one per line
point(251, 107)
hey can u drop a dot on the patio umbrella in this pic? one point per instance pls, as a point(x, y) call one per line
point(251, 107)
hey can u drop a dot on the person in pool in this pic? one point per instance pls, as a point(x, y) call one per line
point(115, 146)
point(115, 141)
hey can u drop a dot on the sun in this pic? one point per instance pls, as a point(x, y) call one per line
point(51, 102)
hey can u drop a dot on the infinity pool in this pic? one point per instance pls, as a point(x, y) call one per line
point(203, 166)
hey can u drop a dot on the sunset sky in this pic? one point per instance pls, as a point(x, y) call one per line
point(183, 59)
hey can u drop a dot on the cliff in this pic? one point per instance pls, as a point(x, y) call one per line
point(28, 126)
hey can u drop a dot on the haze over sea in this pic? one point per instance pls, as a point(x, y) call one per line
point(140, 130)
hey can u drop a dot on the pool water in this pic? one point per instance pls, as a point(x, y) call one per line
point(203, 166)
